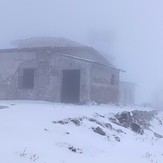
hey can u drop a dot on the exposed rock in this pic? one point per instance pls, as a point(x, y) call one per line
point(108, 125)
point(137, 129)
point(75, 150)
point(99, 115)
point(157, 135)
point(65, 121)
point(114, 120)
point(124, 118)
point(136, 120)
point(4, 107)
point(120, 131)
point(76, 121)
point(81, 118)
point(159, 121)
point(99, 131)
point(143, 118)
point(117, 139)
point(92, 119)
point(96, 121)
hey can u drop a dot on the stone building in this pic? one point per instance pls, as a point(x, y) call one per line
point(56, 69)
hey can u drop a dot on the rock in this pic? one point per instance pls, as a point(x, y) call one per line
point(96, 121)
point(143, 118)
point(108, 125)
point(61, 122)
point(159, 121)
point(99, 131)
point(117, 139)
point(81, 118)
point(98, 115)
point(4, 107)
point(136, 120)
point(124, 118)
point(76, 150)
point(92, 119)
point(45, 129)
point(120, 131)
point(72, 149)
point(136, 128)
point(76, 121)
point(157, 135)
point(114, 120)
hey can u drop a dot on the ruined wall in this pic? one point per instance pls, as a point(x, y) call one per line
point(102, 88)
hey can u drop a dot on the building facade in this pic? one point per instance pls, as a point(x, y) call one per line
point(67, 74)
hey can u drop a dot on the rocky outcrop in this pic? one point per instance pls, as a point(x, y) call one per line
point(99, 131)
point(125, 119)
point(4, 107)
point(136, 128)
point(79, 120)
point(143, 118)
point(157, 135)
point(136, 120)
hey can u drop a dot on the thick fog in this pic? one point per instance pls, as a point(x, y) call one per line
point(128, 32)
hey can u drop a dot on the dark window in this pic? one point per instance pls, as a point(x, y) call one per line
point(113, 81)
point(28, 79)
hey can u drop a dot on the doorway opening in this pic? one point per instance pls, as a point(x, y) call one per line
point(70, 86)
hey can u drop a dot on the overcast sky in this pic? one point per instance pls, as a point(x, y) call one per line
point(129, 30)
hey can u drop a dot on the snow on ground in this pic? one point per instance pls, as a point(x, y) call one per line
point(29, 133)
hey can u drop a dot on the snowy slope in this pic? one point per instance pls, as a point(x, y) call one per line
point(43, 132)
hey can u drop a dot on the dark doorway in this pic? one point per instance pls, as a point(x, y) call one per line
point(71, 86)
point(28, 78)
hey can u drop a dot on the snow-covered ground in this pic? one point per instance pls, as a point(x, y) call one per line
point(32, 131)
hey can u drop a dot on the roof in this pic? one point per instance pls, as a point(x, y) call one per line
point(45, 42)
point(59, 46)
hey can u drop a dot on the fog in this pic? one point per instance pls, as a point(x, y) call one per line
point(129, 32)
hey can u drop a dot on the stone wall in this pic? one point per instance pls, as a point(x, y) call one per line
point(102, 89)
point(9, 64)
point(60, 63)
point(48, 66)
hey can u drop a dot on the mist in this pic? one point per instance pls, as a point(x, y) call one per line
point(130, 33)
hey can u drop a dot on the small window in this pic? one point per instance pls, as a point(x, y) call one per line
point(28, 79)
point(113, 81)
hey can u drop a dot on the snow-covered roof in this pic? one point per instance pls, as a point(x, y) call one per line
point(45, 42)
point(59, 45)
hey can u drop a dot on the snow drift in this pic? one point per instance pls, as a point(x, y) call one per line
point(44, 132)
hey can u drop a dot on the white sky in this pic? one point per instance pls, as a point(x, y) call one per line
point(132, 31)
